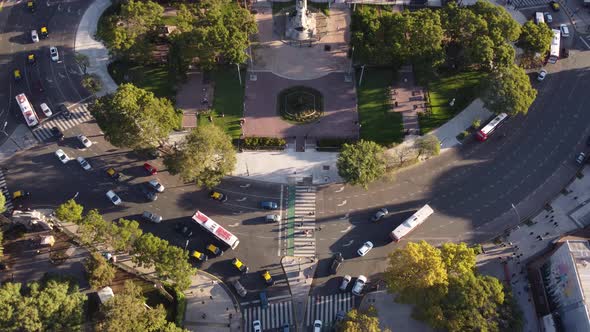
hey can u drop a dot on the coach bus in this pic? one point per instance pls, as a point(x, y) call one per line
point(555, 45)
point(27, 110)
point(216, 230)
point(488, 129)
point(409, 224)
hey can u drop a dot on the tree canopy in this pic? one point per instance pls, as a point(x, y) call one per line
point(359, 321)
point(127, 312)
point(361, 163)
point(49, 306)
point(134, 118)
point(100, 273)
point(509, 90)
point(447, 291)
point(205, 156)
point(2, 203)
point(70, 211)
point(535, 38)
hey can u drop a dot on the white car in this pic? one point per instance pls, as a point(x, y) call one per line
point(257, 326)
point(85, 165)
point(46, 110)
point(53, 53)
point(565, 32)
point(62, 156)
point(548, 18)
point(113, 197)
point(542, 75)
point(84, 140)
point(359, 285)
point(156, 185)
point(367, 246)
point(34, 36)
point(317, 326)
point(345, 282)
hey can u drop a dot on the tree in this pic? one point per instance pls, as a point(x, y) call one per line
point(361, 163)
point(205, 156)
point(173, 263)
point(535, 38)
point(92, 83)
point(70, 211)
point(510, 91)
point(2, 203)
point(50, 306)
point(357, 321)
point(428, 145)
point(125, 234)
point(146, 250)
point(459, 259)
point(134, 118)
point(82, 61)
point(100, 273)
point(127, 312)
point(94, 229)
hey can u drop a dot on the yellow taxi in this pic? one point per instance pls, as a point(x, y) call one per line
point(199, 256)
point(17, 74)
point(216, 195)
point(113, 174)
point(214, 250)
point(20, 194)
point(239, 265)
point(44, 32)
point(267, 278)
point(31, 58)
point(31, 5)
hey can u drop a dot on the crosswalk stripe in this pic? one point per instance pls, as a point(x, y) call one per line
point(8, 203)
point(80, 114)
point(275, 316)
point(304, 244)
point(325, 308)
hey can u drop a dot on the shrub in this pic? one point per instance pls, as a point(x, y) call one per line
point(263, 143)
point(476, 124)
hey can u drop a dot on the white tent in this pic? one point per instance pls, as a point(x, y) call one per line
point(105, 294)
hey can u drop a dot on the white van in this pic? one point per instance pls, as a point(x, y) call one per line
point(565, 32)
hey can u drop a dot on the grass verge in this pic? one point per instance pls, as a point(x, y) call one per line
point(464, 87)
point(156, 79)
point(378, 122)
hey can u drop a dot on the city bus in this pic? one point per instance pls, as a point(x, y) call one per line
point(216, 230)
point(539, 17)
point(27, 110)
point(409, 224)
point(555, 45)
point(488, 129)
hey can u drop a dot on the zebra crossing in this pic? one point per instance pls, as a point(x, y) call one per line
point(80, 114)
point(325, 308)
point(274, 316)
point(8, 204)
point(304, 241)
point(530, 3)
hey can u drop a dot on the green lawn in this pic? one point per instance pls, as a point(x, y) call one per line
point(156, 79)
point(464, 87)
point(379, 123)
point(228, 100)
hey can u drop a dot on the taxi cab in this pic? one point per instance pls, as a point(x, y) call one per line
point(17, 75)
point(31, 5)
point(199, 256)
point(214, 250)
point(31, 58)
point(240, 266)
point(113, 174)
point(267, 278)
point(44, 32)
point(216, 195)
point(20, 194)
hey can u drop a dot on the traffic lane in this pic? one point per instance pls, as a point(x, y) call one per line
point(237, 187)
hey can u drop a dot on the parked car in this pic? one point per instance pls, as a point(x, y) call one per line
point(152, 217)
point(56, 132)
point(53, 53)
point(345, 282)
point(257, 326)
point(150, 169)
point(114, 198)
point(85, 164)
point(269, 205)
point(239, 265)
point(199, 256)
point(156, 185)
point(317, 326)
point(46, 110)
point(548, 18)
point(148, 193)
point(542, 75)
point(382, 213)
point(214, 250)
point(62, 156)
point(359, 285)
point(218, 196)
point(34, 36)
point(565, 31)
point(267, 278)
point(367, 246)
point(239, 288)
point(336, 262)
point(84, 140)
point(580, 158)
point(272, 218)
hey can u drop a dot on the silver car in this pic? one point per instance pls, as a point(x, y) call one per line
point(345, 282)
point(239, 288)
point(367, 246)
point(151, 217)
point(359, 285)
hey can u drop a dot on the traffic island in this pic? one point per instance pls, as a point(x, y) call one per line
point(299, 272)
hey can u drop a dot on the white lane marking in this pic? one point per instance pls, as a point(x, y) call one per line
point(339, 190)
point(345, 216)
point(348, 244)
point(234, 225)
point(245, 185)
point(583, 41)
point(241, 199)
point(347, 229)
point(343, 203)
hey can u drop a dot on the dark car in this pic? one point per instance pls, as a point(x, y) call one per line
point(269, 205)
point(336, 263)
point(382, 213)
point(64, 111)
point(57, 133)
point(565, 53)
point(148, 193)
point(183, 229)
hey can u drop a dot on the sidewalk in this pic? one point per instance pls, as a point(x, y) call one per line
point(210, 303)
point(299, 272)
point(98, 55)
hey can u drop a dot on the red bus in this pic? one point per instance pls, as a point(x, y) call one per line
point(488, 129)
point(27, 110)
point(216, 230)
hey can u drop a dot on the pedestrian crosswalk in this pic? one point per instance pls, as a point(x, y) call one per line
point(80, 114)
point(529, 3)
point(325, 308)
point(8, 204)
point(274, 316)
point(304, 240)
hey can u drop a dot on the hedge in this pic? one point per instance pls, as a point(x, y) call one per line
point(333, 142)
point(261, 143)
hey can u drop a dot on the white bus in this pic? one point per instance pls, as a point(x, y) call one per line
point(27, 110)
point(555, 45)
point(539, 17)
point(409, 224)
point(216, 230)
point(488, 129)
